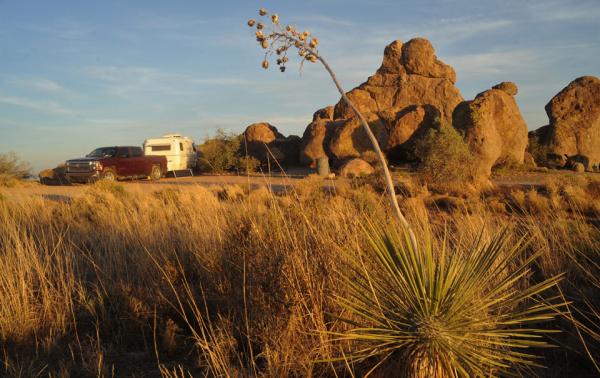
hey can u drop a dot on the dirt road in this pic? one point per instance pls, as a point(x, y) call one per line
point(35, 189)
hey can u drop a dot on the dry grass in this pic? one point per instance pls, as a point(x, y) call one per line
point(232, 282)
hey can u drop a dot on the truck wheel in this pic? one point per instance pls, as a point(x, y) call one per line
point(155, 173)
point(109, 175)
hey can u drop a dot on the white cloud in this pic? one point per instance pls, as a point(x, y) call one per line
point(62, 29)
point(221, 81)
point(565, 11)
point(444, 31)
point(321, 20)
point(125, 80)
point(40, 85)
point(492, 63)
point(48, 107)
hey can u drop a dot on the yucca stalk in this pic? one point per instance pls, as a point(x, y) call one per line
point(431, 313)
point(279, 39)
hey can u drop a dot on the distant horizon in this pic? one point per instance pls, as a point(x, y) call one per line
point(75, 76)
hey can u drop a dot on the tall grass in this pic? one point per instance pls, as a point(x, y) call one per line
point(194, 282)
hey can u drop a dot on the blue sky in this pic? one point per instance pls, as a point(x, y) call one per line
point(75, 75)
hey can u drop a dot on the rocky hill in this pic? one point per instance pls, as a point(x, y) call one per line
point(413, 91)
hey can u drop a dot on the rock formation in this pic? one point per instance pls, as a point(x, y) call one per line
point(263, 142)
point(493, 127)
point(574, 130)
point(55, 176)
point(401, 100)
point(316, 137)
point(356, 168)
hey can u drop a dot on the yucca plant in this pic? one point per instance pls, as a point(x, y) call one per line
point(585, 315)
point(425, 312)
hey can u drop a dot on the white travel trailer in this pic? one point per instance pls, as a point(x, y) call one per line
point(179, 150)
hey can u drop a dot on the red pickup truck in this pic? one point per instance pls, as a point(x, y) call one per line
point(112, 163)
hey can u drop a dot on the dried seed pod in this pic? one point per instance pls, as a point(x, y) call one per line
point(297, 44)
point(306, 33)
point(302, 37)
point(264, 44)
point(284, 59)
point(314, 42)
point(251, 23)
point(312, 58)
point(275, 18)
point(289, 28)
point(259, 34)
point(260, 25)
point(262, 12)
point(265, 64)
point(279, 61)
point(302, 52)
point(282, 68)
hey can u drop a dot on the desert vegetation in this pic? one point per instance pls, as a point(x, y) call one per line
point(225, 152)
point(13, 169)
point(228, 281)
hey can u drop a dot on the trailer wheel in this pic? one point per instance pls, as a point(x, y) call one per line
point(155, 173)
point(109, 175)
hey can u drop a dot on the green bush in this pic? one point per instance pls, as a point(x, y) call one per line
point(220, 153)
point(13, 169)
point(444, 154)
point(247, 164)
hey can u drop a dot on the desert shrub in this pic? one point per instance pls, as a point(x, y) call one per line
point(13, 169)
point(220, 153)
point(507, 164)
point(593, 188)
point(247, 164)
point(445, 155)
point(538, 150)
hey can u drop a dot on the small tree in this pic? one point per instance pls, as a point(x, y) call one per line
point(444, 155)
point(247, 164)
point(220, 153)
point(12, 169)
point(278, 40)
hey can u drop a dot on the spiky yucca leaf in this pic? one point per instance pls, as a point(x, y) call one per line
point(435, 314)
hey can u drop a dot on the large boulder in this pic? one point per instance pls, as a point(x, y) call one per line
point(263, 142)
point(574, 115)
point(55, 176)
point(262, 132)
point(316, 137)
point(350, 140)
point(508, 87)
point(356, 168)
point(493, 127)
point(411, 88)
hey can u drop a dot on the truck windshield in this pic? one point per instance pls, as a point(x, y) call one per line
point(103, 152)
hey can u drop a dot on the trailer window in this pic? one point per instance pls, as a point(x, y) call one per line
point(180, 146)
point(161, 147)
